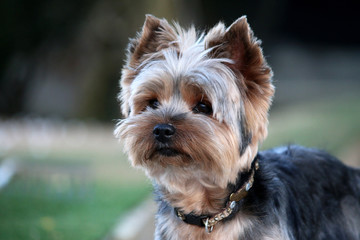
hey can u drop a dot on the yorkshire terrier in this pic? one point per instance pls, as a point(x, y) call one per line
point(195, 109)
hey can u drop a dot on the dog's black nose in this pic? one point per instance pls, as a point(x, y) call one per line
point(163, 132)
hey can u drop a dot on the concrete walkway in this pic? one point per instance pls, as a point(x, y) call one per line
point(138, 224)
point(7, 170)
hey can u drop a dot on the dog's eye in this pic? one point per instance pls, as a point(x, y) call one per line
point(154, 103)
point(203, 107)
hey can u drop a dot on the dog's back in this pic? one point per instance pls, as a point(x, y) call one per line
point(317, 195)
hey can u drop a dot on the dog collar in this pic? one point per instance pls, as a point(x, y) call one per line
point(231, 206)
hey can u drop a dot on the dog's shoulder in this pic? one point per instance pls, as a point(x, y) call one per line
point(302, 159)
point(308, 167)
point(311, 186)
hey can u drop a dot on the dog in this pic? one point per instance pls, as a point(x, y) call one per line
point(195, 110)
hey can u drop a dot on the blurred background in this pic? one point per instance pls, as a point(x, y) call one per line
point(63, 174)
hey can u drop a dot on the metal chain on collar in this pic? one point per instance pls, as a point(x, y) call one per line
point(211, 222)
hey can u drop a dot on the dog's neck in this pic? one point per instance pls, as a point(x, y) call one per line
point(211, 204)
point(201, 192)
point(199, 198)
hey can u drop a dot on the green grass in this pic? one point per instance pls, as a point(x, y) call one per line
point(60, 208)
point(67, 190)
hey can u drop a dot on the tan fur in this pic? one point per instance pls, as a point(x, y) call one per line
point(224, 68)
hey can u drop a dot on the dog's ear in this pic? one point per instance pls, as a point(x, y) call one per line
point(156, 34)
point(249, 65)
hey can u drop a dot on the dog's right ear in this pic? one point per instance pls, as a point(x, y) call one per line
point(156, 34)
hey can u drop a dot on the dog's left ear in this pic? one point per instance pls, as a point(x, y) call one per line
point(249, 65)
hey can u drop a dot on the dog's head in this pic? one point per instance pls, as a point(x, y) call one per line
point(195, 105)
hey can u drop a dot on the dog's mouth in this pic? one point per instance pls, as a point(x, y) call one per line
point(167, 152)
point(168, 155)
